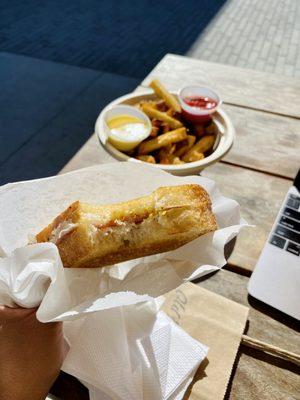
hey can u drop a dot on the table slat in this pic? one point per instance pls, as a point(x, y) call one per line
point(260, 197)
point(238, 86)
point(265, 142)
point(263, 377)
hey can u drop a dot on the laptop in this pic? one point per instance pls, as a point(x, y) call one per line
point(276, 277)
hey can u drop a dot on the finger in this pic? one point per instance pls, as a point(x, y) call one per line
point(9, 314)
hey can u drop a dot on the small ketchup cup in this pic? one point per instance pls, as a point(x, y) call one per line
point(198, 103)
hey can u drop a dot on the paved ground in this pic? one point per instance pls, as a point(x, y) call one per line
point(257, 34)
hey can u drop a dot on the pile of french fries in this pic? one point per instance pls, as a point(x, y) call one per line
point(172, 140)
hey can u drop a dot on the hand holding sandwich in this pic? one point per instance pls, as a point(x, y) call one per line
point(31, 354)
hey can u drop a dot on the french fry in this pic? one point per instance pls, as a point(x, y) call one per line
point(147, 158)
point(199, 129)
point(211, 129)
point(156, 122)
point(172, 148)
point(162, 92)
point(193, 155)
point(161, 105)
point(190, 140)
point(169, 159)
point(162, 116)
point(177, 161)
point(154, 131)
point(163, 140)
point(165, 160)
point(165, 127)
point(179, 147)
point(167, 151)
point(151, 103)
point(196, 152)
point(204, 144)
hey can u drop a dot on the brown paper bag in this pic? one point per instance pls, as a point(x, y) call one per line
point(216, 322)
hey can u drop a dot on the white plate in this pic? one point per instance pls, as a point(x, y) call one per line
point(222, 145)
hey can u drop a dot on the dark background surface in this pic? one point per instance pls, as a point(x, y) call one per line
point(47, 112)
point(126, 37)
point(61, 62)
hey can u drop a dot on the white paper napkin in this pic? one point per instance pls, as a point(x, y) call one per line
point(125, 359)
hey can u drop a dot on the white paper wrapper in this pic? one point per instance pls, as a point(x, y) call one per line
point(103, 306)
point(27, 207)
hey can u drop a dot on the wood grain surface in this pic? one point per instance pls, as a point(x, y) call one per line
point(263, 377)
point(258, 375)
point(238, 86)
point(265, 142)
point(260, 197)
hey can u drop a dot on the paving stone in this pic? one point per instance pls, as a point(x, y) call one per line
point(258, 34)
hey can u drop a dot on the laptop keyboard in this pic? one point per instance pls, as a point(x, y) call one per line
point(287, 232)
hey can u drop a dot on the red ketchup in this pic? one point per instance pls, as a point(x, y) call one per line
point(201, 103)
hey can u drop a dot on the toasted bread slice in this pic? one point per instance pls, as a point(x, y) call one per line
point(89, 236)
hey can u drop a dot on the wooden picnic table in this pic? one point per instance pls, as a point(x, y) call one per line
point(257, 172)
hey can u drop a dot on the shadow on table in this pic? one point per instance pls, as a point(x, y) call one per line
point(200, 374)
point(261, 356)
point(66, 387)
point(272, 312)
point(227, 252)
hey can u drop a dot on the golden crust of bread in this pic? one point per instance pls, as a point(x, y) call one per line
point(89, 236)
